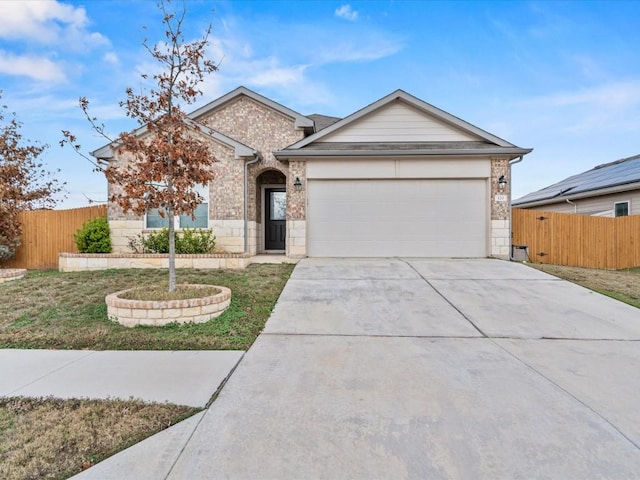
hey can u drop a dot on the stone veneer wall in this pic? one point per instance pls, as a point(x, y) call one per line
point(80, 262)
point(500, 226)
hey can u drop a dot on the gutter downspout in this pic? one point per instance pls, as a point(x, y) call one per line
point(256, 158)
point(575, 205)
point(511, 162)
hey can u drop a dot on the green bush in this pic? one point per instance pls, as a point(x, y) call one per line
point(188, 241)
point(8, 248)
point(195, 241)
point(156, 242)
point(94, 237)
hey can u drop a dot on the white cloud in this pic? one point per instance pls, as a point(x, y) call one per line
point(283, 81)
point(271, 74)
point(36, 68)
point(609, 108)
point(111, 58)
point(279, 69)
point(346, 12)
point(289, 72)
point(610, 96)
point(48, 22)
point(374, 48)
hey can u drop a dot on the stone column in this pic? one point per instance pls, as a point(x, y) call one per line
point(296, 210)
point(500, 205)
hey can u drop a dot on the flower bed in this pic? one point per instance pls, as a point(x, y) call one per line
point(131, 313)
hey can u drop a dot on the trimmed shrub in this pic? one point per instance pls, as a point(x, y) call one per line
point(195, 241)
point(94, 237)
point(188, 241)
point(157, 242)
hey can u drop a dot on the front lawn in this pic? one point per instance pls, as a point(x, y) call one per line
point(49, 309)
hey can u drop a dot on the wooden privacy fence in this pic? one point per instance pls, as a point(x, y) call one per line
point(46, 233)
point(578, 240)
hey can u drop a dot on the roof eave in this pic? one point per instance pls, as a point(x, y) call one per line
point(241, 150)
point(308, 153)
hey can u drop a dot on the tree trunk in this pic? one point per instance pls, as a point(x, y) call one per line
point(172, 250)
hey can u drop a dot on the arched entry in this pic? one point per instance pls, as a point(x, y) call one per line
point(272, 210)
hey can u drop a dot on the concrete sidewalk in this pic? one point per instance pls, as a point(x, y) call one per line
point(393, 368)
point(184, 378)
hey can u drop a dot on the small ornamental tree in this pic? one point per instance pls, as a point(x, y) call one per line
point(24, 183)
point(160, 168)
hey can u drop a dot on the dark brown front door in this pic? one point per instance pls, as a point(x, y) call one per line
point(275, 200)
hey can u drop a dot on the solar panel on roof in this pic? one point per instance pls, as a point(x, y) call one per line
point(615, 173)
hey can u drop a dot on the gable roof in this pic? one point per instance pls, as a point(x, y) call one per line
point(240, 149)
point(620, 175)
point(484, 143)
point(416, 103)
point(300, 120)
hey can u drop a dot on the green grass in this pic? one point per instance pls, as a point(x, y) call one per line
point(48, 309)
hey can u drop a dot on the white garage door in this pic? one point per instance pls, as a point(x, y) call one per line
point(386, 218)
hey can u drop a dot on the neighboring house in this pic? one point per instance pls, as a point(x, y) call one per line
point(608, 190)
point(397, 178)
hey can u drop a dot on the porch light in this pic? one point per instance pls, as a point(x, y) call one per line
point(502, 182)
point(297, 183)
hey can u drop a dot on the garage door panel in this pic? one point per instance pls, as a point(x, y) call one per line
point(439, 218)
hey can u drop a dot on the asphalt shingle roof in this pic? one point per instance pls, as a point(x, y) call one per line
point(322, 121)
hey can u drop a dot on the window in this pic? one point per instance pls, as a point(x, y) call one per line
point(201, 220)
point(621, 209)
point(201, 214)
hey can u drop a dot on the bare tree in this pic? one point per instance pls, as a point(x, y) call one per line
point(24, 183)
point(163, 162)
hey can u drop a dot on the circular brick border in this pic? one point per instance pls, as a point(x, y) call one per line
point(8, 274)
point(132, 313)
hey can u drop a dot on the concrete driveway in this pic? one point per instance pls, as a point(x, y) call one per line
point(416, 368)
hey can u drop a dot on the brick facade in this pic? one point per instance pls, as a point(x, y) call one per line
point(265, 130)
point(256, 126)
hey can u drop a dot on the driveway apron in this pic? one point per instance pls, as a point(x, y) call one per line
point(416, 368)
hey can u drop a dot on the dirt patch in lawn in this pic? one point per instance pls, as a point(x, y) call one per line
point(623, 285)
point(50, 438)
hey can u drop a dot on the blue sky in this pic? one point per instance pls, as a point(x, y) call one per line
point(561, 77)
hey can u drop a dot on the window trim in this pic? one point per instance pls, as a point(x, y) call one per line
point(615, 204)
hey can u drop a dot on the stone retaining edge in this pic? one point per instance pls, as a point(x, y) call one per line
point(8, 274)
point(77, 262)
point(131, 313)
